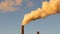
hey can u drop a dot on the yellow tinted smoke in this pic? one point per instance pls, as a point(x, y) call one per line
point(9, 5)
point(47, 9)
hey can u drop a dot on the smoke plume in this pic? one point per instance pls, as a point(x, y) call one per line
point(48, 8)
point(9, 5)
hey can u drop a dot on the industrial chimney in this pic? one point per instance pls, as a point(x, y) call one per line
point(22, 29)
point(37, 32)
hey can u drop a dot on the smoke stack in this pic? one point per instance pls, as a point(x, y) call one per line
point(22, 29)
point(37, 32)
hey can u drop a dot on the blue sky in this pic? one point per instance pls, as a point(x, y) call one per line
point(10, 22)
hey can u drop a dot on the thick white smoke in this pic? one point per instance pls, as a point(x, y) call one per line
point(48, 8)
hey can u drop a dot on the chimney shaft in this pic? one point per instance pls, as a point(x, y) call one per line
point(37, 32)
point(22, 29)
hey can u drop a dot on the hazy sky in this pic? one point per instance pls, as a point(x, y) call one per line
point(10, 21)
